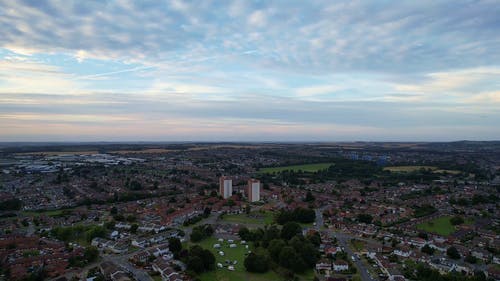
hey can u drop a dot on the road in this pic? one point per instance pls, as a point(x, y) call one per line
point(343, 240)
point(122, 261)
point(141, 275)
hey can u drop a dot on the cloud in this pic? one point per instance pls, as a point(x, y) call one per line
point(21, 76)
point(318, 36)
point(485, 98)
point(249, 69)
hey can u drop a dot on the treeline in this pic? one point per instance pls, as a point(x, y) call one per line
point(77, 232)
point(475, 200)
point(425, 273)
point(201, 232)
point(285, 247)
point(90, 254)
point(301, 215)
point(197, 259)
point(345, 169)
point(423, 210)
point(198, 218)
point(11, 205)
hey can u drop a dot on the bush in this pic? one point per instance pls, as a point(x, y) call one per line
point(453, 253)
point(456, 220)
point(256, 263)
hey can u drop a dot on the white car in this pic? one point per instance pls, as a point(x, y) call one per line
point(221, 253)
point(219, 265)
point(231, 268)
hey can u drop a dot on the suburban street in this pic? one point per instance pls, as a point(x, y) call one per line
point(344, 242)
point(122, 261)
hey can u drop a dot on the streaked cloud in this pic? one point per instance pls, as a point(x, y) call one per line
point(274, 70)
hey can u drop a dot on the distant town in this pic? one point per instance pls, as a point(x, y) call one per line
point(250, 211)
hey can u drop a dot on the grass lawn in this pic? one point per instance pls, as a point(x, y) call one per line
point(157, 278)
point(253, 218)
point(50, 213)
point(307, 276)
point(306, 168)
point(441, 226)
point(238, 254)
point(358, 245)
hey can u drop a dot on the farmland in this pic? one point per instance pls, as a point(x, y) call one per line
point(409, 169)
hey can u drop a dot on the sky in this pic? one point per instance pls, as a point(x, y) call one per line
point(249, 70)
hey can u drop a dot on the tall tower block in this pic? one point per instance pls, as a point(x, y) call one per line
point(225, 187)
point(253, 192)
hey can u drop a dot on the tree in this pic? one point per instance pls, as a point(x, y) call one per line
point(11, 205)
point(470, 259)
point(134, 227)
point(195, 264)
point(174, 245)
point(91, 254)
point(290, 259)
point(196, 235)
point(290, 229)
point(204, 261)
point(206, 212)
point(427, 249)
point(314, 238)
point(248, 209)
point(275, 247)
point(245, 234)
point(256, 263)
point(135, 185)
point(298, 215)
point(113, 211)
point(423, 235)
point(201, 232)
point(456, 220)
point(365, 218)
point(305, 249)
point(271, 233)
point(309, 197)
point(453, 253)
point(230, 202)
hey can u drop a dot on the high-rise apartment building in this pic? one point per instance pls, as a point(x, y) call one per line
point(225, 187)
point(253, 192)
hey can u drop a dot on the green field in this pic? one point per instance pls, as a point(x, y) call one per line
point(305, 168)
point(408, 169)
point(441, 226)
point(254, 218)
point(358, 245)
point(239, 273)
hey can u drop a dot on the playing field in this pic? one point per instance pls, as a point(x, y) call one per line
point(306, 168)
point(441, 226)
point(261, 218)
